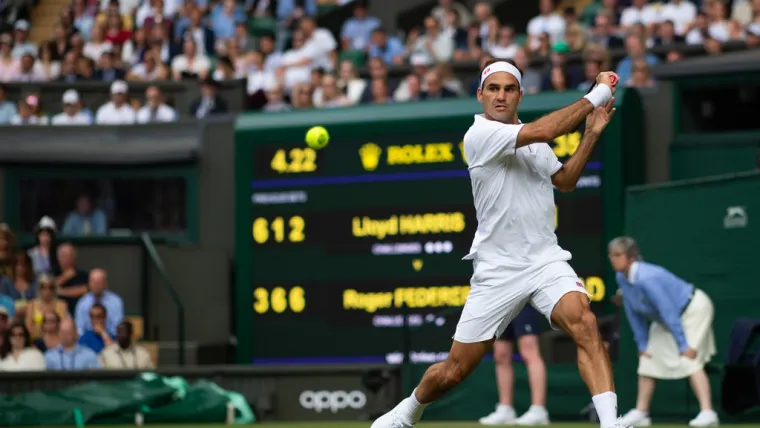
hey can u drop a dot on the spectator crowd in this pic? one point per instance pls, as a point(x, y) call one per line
point(289, 62)
point(56, 316)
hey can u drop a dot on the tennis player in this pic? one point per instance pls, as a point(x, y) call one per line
point(515, 255)
point(672, 326)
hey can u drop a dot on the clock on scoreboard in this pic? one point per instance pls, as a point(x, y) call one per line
point(347, 241)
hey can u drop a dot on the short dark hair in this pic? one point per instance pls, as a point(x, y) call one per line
point(495, 60)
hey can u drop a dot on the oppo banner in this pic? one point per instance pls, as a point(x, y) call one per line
point(358, 395)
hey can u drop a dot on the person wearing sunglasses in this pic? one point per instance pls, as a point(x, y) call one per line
point(17, 352)
point(47, 301)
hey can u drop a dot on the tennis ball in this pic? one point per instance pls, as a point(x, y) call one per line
point(317, 137)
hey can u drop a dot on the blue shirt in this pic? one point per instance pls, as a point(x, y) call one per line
point(358, 31)
point(76, 224)
point(79, 358)
point(654, 294)
point(7, 111)
point(84, 24)
point(393, 48)
point(93, 341)
point(7, 289)
point(9, 305)
point(222, 24)
point(625, 67)
point(114, 311)
point(286, 7)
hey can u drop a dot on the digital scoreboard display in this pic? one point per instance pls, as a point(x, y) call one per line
point(343, 243)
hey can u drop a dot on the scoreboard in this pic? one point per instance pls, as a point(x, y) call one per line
point(335, 248)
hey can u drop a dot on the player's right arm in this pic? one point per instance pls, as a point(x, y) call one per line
point(567, 119)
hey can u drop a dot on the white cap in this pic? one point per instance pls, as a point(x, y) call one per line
point(22, 24)
point(47, 222)
point(69, 97)
point(119, 87)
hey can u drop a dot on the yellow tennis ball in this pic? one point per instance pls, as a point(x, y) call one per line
point(317, 137)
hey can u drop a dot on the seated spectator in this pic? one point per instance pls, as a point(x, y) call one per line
point(640, 12)
point(572, 76)
point(209, 103)
point(69, 355)
point(17, 352)
point(357, 30)
point(224, 19)
point(544, 49)
point(501, 44)
point(453, 28)
point(191, 63)
point(82, 19)
point(21, 42)
point(449, 80)
point(85, 220)
point(301, 97)
point(49, 337)
point(21, 286)
point(575, 38)
point(72, 282)
point(259, 79)
point(716, 16)
point(681, 13)
point(155, 109)
point(699, 30)
point(558, 80)
point(390, 49)
point(753, 32)
point(43, 252)
point(433, 46)
point(547, 22)
point(8, 63)
point(97, 336)
point(51, 68)
point(446, 7)
point(99, 294)
point(736, 32)
point(160, 42)
point(319, 43)
point(204, 37)
point(28, 70)
point(276, 100)
point(635, 48)
point(296, 63)
point(125, 354)
point(7, 108)
point(666, 35)
point(97, 44)
point(25, 115)
point(642, 32)
point(225, 69)
point(69, 72)
point(115, 30)
point(150, 70)
point(380, 92)
point(243, 38)
point(72, 111)
point(603, 32)
point(115, 112)
point(434, 89)
point(6, 314)
point(331, 95)
point(272, 58)
point(641, 75)
point(133, 49)
point(61, 42)
point(350, 83)
point(46, 301)
point(7, 243)
point(591, 72)
point(157, 18)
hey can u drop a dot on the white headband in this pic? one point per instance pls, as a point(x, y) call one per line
point(501, 66)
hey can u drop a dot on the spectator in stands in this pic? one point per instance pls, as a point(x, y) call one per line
point(681, 13)
point(501, 41)
point(753, 31)
point(190, 63)
point(699, 31)
point(204, 37)
point(446, 7)
point(276, 100)
point(72, 111)
point(560, 70)
point(83, 20)
point(642, 32)
point(8, 62)
point(390, 49)
point(331, 94)
point(21, 286)
point(6, 314)
point(97, 44)
point(85, 220)
point(69, 72)
point(639, 12)
point(25, 115)
point(99, 294)
point(28, 70)
point(575, 37)
point(49, 337)
point(635, 48)
point(7, 243)
point(155, 108)
point(453, 28)
point(69, 355)
point(42, 254)
point(604, 32)
point(357, 30)
point(483, 13)
point(209, 102)
point(116, 112)
point(125, 354)
point(591, 69)
point(21, 42)
point(548, 21)
point(433, 46)
point(666, 35)
point(272, 58)
point(224, 18)
point(7, 108)
point(319, 43)
point(150, 70)
point(97, 336)
point(157, 17)
point(434, 89)
point(716, 16)
point(243, 38)
point(72, 282)
point(46, 301)
point(116, 32)
point(449, 80)
point(51, 68)
point(380, 93)
point(736, 32)
point(350, 83)
point(61, 42)
point(17, 352)
point(641, 76)
point(301, 97)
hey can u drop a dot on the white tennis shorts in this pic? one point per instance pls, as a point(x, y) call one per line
point(497, 295)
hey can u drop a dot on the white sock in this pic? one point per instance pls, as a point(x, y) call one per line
point(606, 408)
point(504, 408)
point(410, 410)
point(537, 408)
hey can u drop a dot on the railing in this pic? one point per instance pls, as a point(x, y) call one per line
point(152, 253)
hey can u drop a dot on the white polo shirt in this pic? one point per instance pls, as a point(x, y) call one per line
point(163, 113)
point(78, 119)
point(647, 15)
point(109, 114)
point(513, 195)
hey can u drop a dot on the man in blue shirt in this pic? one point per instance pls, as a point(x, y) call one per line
point(85, 221)
point(672, 326)
point(69, 355)
point(357, 30)
point(99, 294)
point(98, 337)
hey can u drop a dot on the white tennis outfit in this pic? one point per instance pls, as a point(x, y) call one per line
point(515, 255)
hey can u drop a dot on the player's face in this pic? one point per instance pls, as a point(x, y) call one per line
point(500, 96)
point(619, 260)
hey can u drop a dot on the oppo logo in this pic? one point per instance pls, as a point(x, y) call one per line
point(332, 400)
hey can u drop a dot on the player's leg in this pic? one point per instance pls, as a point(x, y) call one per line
point(527, 326)
point(639, 416)
point(560, 296)
point(504, 414)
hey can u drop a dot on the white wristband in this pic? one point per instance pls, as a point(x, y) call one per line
point(599, 96)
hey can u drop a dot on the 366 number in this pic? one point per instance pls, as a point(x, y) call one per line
point(279, 300)
point(263, 229)
point(294, 161)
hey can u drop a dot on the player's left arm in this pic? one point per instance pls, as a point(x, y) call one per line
point(567, 177)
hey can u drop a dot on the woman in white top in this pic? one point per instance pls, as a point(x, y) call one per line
point(97, 44)
point(17, 352)
point(350, 82)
